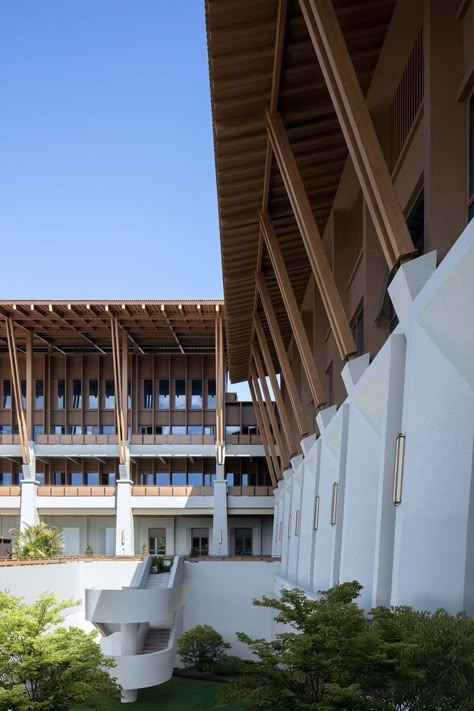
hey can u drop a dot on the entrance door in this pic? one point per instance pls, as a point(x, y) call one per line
point(157, 541)
point(109, 541)
point(200, 541)
point(243, 541)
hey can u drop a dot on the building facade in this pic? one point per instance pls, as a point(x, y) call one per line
point(115, 426)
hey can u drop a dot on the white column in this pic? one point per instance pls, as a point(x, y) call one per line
point(220, 535)
point(129, 647)
point(28, 511)
point(276, 511)
point(124, 533)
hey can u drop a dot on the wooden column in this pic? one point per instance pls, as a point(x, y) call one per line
point(17, 396)
point(292, 310)
point(220, 405)
point(118, 394)
point(358, 129)
point(125, 383)
point(310, 235)
point(282, 355)
point(284, 419)
point(29, 386)
point(269, 447)
point(268, 403)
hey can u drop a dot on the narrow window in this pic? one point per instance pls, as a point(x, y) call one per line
point(358, 331)
point(109, 395)
point(76, 394)
point(37, 430)
point(60, 398)
point(23, 393)
point(39, 394)
point(180, 395)
point(471, 157)
point(196, 395)
point(330, 374)
point(7, 394)
point(147, 394)
point(93, 394)
point(129, 397)
point(164, 395)
point(211, 394)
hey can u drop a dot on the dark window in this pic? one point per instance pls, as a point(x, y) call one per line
point(74, 429)
point(39, 395)
point(7, 394)
point(196, 394)
point(358, 331)
point(471, 157)
point(211, 394)
point(23, 392)
point(157, 541)
point(147, 395)
point(107, 479)
point(146, 430)
point(199, 541)
point(5, 479)
point(59, 478)
point(146, 479)
point(60, 399)
point(109, 395)
point(243, 541)
point(93, 394)
point(162, 430)
point(180, 395)
point(330, 374)
point(76, 394)
point(164, 395)
point(5, 429)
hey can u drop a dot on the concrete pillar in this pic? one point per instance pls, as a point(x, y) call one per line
point(124, 533)
point(220, 533)
point(28, 511)
point(276, 514)
point(129, 647)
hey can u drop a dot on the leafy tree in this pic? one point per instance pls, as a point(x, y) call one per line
point(201, 648)
point(37, 541)
point(45, 666)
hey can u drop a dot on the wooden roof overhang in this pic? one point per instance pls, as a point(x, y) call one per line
point(261, 57)
point(85, 326)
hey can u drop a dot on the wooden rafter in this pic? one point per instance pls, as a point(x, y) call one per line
point(16, 381)
point(118, 393)
point(310, 235)
point(284, 419)
point(291, 306)
point(358, 129)
point(282, 355)
point(264, 435)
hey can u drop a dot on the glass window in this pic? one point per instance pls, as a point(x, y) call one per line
point(232, 430)
point(23, 392)
point(229, 477)
point(178, 429)
point(196, 394)
point(178, 479)
point(180, 395)
point(243, 541)
point(75, 478)
point(146, 429)
point(358, 331)
point(5, 479)
point(109, 479)
point(147, 395)
point(93, 394)
point(245, 479)
point(194, 429)
point(195, 479)
point(76, 394)
point(91, 429)
point(92, 478)
point(210, 430)
point(146, 479)
point(157, 541)
point(129, 395)
point(74, 429)
point(108, 429)
point(109, 394)
point(39, 394)
point(209, 479)
point(57, 429)
point(37, 430)
point(5, 429)
point(199, 541)
point(330, 375)
point(59, 478)
point(162, 479)
point(162, 430)
point(7, 394)
point(164, 395)
point(60, 398)
point(40, 478)
point(211, 394)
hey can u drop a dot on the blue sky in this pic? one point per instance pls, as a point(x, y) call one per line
point(107, 184)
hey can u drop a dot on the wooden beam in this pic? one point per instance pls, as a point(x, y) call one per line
point(284, 419)
point(310, 235)
point(282, 355)
point(292, 310)
point(29, 386)
point(268, 404)
point(17, 396)
point(358, 129)
point(220, 404)
point(118, 394)
point(125, 337)
point(270, 454)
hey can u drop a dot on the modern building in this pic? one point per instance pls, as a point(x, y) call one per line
point(115, 426)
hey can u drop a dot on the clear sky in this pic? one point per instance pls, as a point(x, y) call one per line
point(107, 183)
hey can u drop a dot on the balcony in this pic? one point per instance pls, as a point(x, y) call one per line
point(76, 491)
point(172, 439)
point(250, 491)
point(243, 439)
point(60, 439)
point(9, 491)
point(172, 491)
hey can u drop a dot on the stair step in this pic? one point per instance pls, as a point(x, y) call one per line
point(156, 640)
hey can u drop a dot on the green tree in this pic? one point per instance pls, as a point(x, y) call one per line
point(45, 666)
point(201, 648)
point(37, 541)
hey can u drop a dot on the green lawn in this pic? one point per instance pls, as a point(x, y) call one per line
point(177, 695)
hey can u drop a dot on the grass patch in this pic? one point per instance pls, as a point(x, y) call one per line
point(176, 695)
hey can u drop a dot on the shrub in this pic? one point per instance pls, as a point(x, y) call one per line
point(201, 648)
point(37, 541)
point(88, 551)
point(228, 665)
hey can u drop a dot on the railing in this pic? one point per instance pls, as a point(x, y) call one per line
point(9, 491)
point(243, 439)
point(172, 439)
point(76, 439)
point(172, 491)
point(76, 491)
point(250, 491)
point(9, 439)
point(67, 559)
